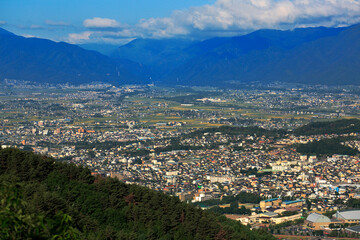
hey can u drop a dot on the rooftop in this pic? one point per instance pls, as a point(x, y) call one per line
point(348, 215)
point(354, 229)
point(317, 218)
point(270, 200)
point(290, 202)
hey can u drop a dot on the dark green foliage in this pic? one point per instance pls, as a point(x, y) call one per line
point(343, 234)
point(238, 131)
point(288, 213)
point(242, 197)
point(287, 224)
point(175, 145)
point(326, 147)
point(15, 222)
point(62, 201)
point(233, 209)
point(342, 126)
point(18, 222)
point(254, 171)
point(329, 213)
point(90, 145)
point(318, 233)
point(353, 203)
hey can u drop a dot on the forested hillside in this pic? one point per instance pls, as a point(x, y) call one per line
point(43, 199)
point(326, 147)
point(341, 126)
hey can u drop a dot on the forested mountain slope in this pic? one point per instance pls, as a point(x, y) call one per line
point(42, 198)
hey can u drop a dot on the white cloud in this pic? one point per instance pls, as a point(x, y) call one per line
point(119, 38)
point(79, 37)
point(248, 15)
point(2, 22)
point(34, 26)
point(28, 36)
point(101, 23)
point(60, 23)
point(228, 17)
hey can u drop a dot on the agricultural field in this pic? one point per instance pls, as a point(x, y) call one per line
point(105, 107)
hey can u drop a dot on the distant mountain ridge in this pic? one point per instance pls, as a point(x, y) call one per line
point(105, 49)
point(161, 56)
point(307, 55)
point(319, 55)
point(41, 60)
point(5, 32)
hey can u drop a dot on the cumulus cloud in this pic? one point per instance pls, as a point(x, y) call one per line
point(232, 17)
point(247, 15)
point(101, 23)
point(79, 37)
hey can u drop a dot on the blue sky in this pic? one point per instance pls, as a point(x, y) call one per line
point(119, 21)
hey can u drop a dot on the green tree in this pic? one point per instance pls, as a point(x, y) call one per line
point(15, 222)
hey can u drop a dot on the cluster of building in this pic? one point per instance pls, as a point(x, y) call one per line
point(272, 212)
point(149, 140)
point(212, 165)
point(349, 218)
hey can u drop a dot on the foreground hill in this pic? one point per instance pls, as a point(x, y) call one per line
point(42, 199)
point(45, 61)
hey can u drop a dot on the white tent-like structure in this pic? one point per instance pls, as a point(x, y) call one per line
point(317, 221)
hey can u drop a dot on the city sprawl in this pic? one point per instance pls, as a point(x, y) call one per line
point(203, 145)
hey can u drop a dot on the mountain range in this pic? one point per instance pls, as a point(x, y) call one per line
point(305, 55)
point(45, 61)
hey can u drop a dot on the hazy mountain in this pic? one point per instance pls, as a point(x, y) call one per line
point(4, 32)
point(150, 51)
point(161, 56)
point(307, 55)
point(42, 60)
point(302, 56)
point(106, 49)
point(332, 60)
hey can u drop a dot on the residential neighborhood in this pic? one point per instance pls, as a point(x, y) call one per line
point(199, 156)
